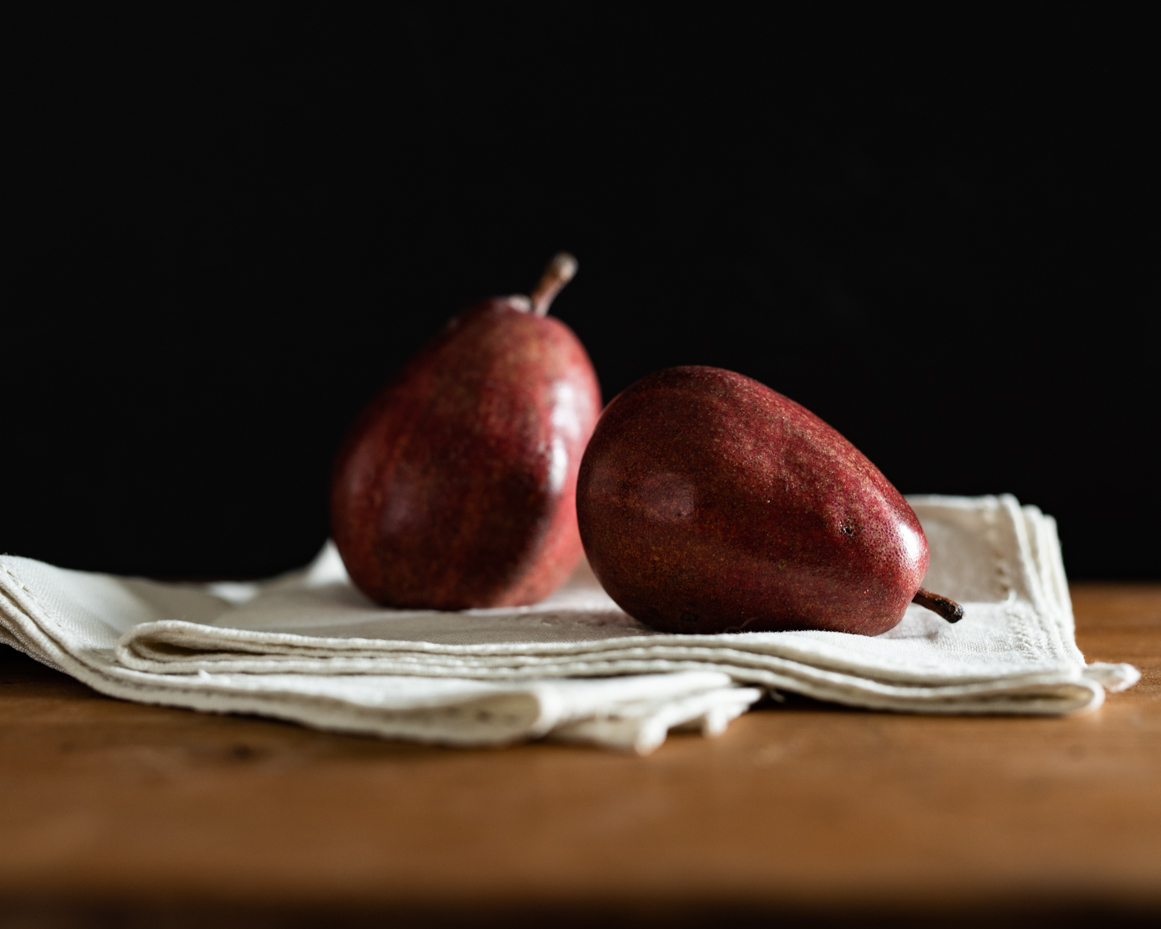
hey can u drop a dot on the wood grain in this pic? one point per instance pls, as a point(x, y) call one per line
point(132, 814)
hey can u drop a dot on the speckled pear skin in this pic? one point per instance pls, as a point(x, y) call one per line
point(456, 486)
point(709, 503)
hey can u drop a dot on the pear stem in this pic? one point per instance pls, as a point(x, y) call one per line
point(944, 606)
point(559, 272)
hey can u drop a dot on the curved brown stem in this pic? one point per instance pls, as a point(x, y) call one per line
point(559, 272)
point(944, 606)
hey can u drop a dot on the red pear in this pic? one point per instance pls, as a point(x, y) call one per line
point(456, 486)
point(710, 503)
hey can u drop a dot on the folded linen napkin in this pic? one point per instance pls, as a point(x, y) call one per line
point(309, 647)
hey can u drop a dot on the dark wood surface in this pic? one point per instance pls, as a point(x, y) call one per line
point(115, 813)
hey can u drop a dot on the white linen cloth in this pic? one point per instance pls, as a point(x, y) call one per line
point(309, 647)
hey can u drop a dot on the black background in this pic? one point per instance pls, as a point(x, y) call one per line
point(229, 229)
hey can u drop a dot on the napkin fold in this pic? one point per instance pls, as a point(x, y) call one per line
point(309, 647)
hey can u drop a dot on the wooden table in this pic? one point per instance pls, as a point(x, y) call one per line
point(125, 814)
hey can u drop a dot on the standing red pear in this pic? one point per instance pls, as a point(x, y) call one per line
point(456, 486)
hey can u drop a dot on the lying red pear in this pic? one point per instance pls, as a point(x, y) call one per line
point(710, 503)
